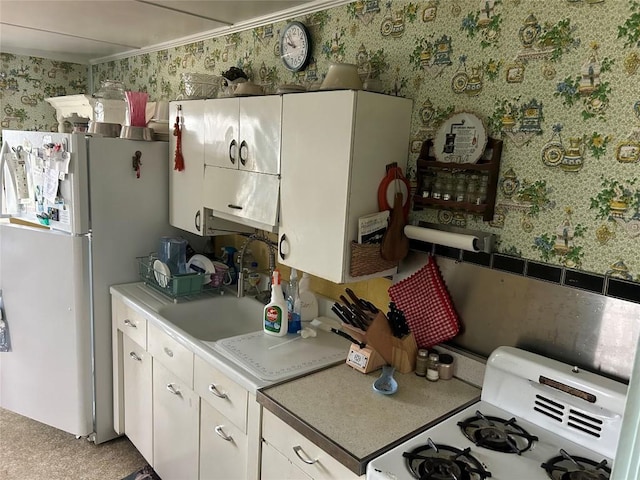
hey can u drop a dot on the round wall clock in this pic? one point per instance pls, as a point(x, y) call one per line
point(295, 46)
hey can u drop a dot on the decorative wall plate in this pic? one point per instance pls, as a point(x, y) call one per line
point(461, 138)
point(552, 154)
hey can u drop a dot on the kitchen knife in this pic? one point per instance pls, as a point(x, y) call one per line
point(355, 311)
point(335, 308)
point(353, 319)
point(356, 300)
point(327, 328)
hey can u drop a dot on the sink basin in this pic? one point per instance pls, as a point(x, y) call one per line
point(212, 319)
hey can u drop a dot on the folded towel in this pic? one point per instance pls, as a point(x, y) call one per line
point(425, 301)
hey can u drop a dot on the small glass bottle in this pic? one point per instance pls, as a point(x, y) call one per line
point(460, 189)
point(481, 196)
point(432, 367)
point(436, 191)
point(447, 188)
point(421, 362)
point(472, 189)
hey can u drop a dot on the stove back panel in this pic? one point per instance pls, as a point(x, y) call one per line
point(574, 326)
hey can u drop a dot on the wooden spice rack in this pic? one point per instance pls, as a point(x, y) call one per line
point(489, 163)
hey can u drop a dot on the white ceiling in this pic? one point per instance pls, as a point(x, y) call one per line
point(83, 31)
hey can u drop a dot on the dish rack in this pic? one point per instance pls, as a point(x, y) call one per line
point(176, 285)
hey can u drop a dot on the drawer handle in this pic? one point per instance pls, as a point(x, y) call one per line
point(135, 356)
point(213, 389)
point(173, 389)
point(129, 323)
point(168, 352)
point(223, 435)
point(297, 449)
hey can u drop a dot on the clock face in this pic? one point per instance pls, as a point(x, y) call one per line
point(295, 46)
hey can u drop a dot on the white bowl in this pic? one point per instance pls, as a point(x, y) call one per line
point(342, 76)
point(248, 88)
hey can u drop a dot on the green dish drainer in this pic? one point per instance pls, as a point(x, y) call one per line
point(177, 285)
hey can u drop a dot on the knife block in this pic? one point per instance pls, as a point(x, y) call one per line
point(397, 352)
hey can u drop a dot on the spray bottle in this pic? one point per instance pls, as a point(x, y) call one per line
point(275, 317)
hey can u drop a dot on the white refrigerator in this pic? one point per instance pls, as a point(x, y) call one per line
point(54, 281)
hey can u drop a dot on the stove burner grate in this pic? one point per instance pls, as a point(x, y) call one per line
point(567, 467)
point(442, 462)
point(497, 434)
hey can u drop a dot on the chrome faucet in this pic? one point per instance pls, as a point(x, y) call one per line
point(272, 259)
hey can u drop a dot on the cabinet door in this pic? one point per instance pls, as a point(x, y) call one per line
point(137, 397)
point(260, 134)
point(315, 181)
point(223, 447)
point(185, 187)
point(249, 198)
point(221, 132)
point(276, 466)
point(176, 414)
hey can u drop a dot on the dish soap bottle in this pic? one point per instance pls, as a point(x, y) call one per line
point(274, 316)
point(308, 301)
point(293, 303)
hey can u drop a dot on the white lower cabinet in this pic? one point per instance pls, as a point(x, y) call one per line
point(300, 451)
point(138, 407)
point(223, 447)
point(276, 466)
point(176, 422)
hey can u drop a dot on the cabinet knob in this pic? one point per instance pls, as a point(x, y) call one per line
point(297, 449)
point(213, 389)
point(196, 220)
point(135, 356)
point(129, 323)
point(232, 151)
point(223, 435)
point(173, 389)
point(282, 246)
point(244, 152)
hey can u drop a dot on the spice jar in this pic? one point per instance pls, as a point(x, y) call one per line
point(421, 362)
point(432, 367)
point(445, 366)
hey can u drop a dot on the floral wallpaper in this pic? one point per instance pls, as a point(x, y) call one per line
point(557, 80)
point(25, 82)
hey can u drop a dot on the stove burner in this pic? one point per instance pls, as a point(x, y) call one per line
point(497, 434)
point(442, 462)
point(566, 467)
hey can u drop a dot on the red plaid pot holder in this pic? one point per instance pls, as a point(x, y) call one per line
point(426, 304)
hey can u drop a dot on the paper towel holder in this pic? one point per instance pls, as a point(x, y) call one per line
point(480, 241)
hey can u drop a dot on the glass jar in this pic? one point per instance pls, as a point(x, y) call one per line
point(432, 367)
point(421, 362)
point(460, 191)
point(481, 196)
point(109, 101)
point(472, 189)
point(447, 188)
point(437, 189)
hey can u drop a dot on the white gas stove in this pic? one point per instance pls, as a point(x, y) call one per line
point(537, 419)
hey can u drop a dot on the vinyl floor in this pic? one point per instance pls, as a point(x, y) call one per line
point(30, 450)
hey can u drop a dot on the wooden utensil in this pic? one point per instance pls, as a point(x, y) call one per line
point(395, 244)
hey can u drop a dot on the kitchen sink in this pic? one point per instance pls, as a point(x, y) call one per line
point(215, 318)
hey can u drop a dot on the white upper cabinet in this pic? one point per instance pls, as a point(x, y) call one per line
point(185, 187)
point(335, 148)
point(242, 159)
point(244, 133)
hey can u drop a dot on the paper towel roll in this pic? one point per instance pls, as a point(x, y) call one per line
point(457, 240)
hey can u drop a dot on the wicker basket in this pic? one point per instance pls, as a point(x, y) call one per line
point(366, 260)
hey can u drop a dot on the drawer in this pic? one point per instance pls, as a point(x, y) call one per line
point(276, 466)
point(130, 322)
point(222, 393)
point(303, 453)
point(223, 447)
point(175, 357)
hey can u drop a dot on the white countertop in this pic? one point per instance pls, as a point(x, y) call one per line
point(149, 302)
